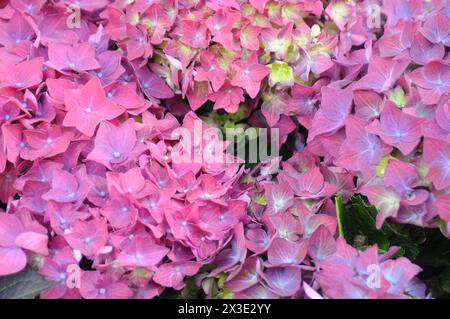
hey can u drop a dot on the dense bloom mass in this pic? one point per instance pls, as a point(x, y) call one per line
point(93, 93)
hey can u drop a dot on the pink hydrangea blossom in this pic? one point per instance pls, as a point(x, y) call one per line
point(96, 113)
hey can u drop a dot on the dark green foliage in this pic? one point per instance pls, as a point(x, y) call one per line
point(427, 248)
point(26, 284)
point(357, 226)
point(434, 258)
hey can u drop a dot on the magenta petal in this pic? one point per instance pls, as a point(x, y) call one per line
point(32, 241)
point(10, 228)
point(12, 260)
point(283, 281)
point(336, 105)
point(142, 253)
point(321, 244)
point(284, 252)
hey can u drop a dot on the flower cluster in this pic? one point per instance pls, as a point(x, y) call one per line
point(93, 94)
point(350, 274)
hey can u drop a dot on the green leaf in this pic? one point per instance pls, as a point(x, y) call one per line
point(221, 280)
point(225, 294)
point(357, 224)
point(434, 258)
point(281, 73)
point(339, 210)
point(190, 290)
point(27, 284)
point(260, 199)
point(239, 115)
point(445, 281)
point(381, 166)
point(397, 95)
point(435, 252)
